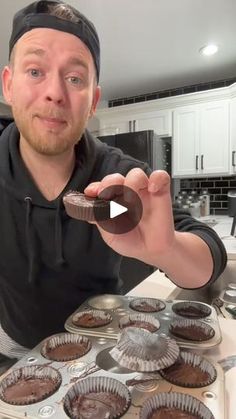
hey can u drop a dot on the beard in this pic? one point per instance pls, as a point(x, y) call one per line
point(48, 142)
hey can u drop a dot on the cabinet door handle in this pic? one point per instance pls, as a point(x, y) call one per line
point(202, 156)
point(134, 125)
point(196, 162)
point(130, 126)
point(233, 158)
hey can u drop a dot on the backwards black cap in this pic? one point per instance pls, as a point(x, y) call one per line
point(60, 16)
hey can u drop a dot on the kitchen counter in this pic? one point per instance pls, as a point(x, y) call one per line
point(222, 225)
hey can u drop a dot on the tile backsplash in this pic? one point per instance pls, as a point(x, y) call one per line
point(217, 187)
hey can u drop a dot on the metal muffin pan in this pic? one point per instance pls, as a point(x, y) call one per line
point(119, 306)
point(98, 362)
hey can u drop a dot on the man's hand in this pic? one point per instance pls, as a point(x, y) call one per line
point(184, 257)
point(155, 232)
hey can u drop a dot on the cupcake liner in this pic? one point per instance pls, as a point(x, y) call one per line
point(147, 305)
point(190, 370)
point(140, 350)
point(176, 401)
point(32, 378)
point(143, 321)
point(191, 309)
point(65, 347)
point(91, 318)
point(82, 207)
point(99, 397)
point(193, 330)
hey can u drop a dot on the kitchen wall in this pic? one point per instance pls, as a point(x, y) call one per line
point(217, 187)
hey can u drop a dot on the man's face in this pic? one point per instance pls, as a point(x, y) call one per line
point(51, 87)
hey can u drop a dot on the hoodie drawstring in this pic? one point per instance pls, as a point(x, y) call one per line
point(58, 236)
point(31, 243)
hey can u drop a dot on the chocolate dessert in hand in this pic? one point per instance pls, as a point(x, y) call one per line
point(82, 207)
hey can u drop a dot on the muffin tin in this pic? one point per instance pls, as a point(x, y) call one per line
point(98, 363)
point(119, 307)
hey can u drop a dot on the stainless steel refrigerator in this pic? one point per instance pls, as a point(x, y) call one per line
point(156, 151)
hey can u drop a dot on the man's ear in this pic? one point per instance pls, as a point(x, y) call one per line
point(7, 84)
point(96, 98)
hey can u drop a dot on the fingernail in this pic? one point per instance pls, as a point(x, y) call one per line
point(152, 187)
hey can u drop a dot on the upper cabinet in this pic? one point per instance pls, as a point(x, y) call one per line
point(202, 126)
point(134, 118)
point(232, 154)
point(201, 139)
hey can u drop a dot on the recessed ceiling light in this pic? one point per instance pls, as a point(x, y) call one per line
point(210, 49)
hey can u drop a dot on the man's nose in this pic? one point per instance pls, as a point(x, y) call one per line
point(55, 90)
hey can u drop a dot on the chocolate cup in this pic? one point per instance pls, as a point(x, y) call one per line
point(40, 383)
point(65, 347)
point(91, 318)
point(177, 403)
point(191, 309)
point(143, 321)
point(147, 305)
point(193, 330)
point(85, 208)
point(103, 397)
point(190, 370)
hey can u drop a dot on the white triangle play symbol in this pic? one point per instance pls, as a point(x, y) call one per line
point(116, 209)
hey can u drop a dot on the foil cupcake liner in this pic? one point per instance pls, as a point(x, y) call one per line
point(176, 401)
point(147, 305)
point(91, 318)
point(191, 309)
point(200, 373)
point(98, 397)
point(85, 208)
point(140, 350)
point(144, 321)
point(28, 374)
point(193, 330)
point(76, 346)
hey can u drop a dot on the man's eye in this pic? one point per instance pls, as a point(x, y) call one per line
point(34, 73)
point(74, 80)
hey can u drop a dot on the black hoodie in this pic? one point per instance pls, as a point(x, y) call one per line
point(49, 262)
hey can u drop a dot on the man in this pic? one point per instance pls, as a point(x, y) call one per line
point(50, 263)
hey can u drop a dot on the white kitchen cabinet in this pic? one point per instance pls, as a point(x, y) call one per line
point(118, 122)
point(232, 151)
point(201, 139)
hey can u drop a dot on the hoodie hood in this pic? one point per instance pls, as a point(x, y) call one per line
point(16, 181)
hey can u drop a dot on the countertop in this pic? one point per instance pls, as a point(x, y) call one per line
point(222, 225)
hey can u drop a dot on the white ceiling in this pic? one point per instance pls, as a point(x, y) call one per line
point(152, 45)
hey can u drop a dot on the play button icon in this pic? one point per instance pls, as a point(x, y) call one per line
point(116, 209)
point(125, 209)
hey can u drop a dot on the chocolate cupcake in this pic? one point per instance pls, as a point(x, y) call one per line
point(140, 350)
point(29, 385)
point(65, 347)
point(191, 309)
point(143, 321)
point(194, 330)
point(85, 208)
point(174, 406)
point(91, 318)
point(147, 305)
point(190, 370)
point(97, 397)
